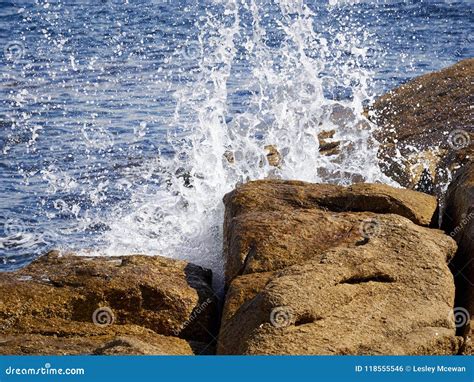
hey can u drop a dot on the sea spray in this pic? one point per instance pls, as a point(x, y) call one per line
point(123, 123)
point(286, 107)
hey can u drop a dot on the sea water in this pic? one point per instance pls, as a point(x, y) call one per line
point(123, 123)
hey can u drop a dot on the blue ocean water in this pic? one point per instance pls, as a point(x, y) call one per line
point(118, 117)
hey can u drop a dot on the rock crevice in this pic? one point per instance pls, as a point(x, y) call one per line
point(309, 288)
point(66, 304)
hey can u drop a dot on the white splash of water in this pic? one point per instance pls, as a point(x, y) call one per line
point(217, 147)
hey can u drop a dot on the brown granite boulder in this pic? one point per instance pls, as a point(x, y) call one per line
point(458, 221)
point(322, 269)
point(426, 129)
point(160, 345)
point(272, 224)
point(95, 299)
point(86, 339)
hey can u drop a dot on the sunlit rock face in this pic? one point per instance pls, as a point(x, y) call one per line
point(67, 304)
point(322, 269)
point(426, 130)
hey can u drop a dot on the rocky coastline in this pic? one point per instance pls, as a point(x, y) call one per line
point(310, 268)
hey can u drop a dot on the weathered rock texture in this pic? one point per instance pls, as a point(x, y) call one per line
point(322, 269)
point(272, 224)
point(58, 304)
point(426, 128)
point(87, 339)
point(458, 220)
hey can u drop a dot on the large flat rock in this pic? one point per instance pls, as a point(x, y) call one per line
point(87, 339)
point(89, 301)
point(321, 269)
point(272, 224)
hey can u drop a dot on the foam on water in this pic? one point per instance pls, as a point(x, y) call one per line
point(286, 108)
point(123, 123)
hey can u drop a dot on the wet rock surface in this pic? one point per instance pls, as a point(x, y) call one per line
point(310, 268)
point(426, 130)
point(458, 221)
point(75, 304)
point(427, 143)
point(321, 269)
point(272, 224)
